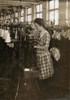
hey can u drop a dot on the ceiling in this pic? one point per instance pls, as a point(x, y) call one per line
point(6, 5)
point(25, 3)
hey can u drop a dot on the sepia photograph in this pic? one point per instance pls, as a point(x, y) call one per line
point(34, 49)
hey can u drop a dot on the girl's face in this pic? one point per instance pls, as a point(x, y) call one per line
point(38, 27)
point(33, 26)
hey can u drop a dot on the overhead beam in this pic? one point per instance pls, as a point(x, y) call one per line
point(26, 0)
point(24, 3)
point(16, 2)
point(32, 0)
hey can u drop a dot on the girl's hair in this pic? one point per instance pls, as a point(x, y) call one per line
point(40, 22)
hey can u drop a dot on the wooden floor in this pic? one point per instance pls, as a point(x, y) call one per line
point(18, 88)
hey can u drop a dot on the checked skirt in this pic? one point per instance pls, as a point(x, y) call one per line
point(45, 65)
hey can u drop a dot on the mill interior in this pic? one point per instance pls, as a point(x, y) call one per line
point(19, 74)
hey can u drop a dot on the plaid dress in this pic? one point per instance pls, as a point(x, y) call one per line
point(43, 57)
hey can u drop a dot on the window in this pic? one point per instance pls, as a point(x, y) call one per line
point(56, 3)
point(39, 11)
point(54, 11)
point(29, 15)
point(16, 17)
point(16, 14)
point(51, 16)
point(22, 15)
point(56, 17)
point(52, 4)
point(29, 18)
point(21, 19)
point(22, 12)
point(29, 11)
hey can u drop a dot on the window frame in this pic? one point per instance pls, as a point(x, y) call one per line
point(40, 11)
point(29, 14)
point(21, 15)
point(56, 22)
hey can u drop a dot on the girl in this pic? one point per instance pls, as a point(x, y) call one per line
point(43, 56)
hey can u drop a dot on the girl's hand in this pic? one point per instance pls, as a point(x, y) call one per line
point(39, 47)
point(35, 46)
